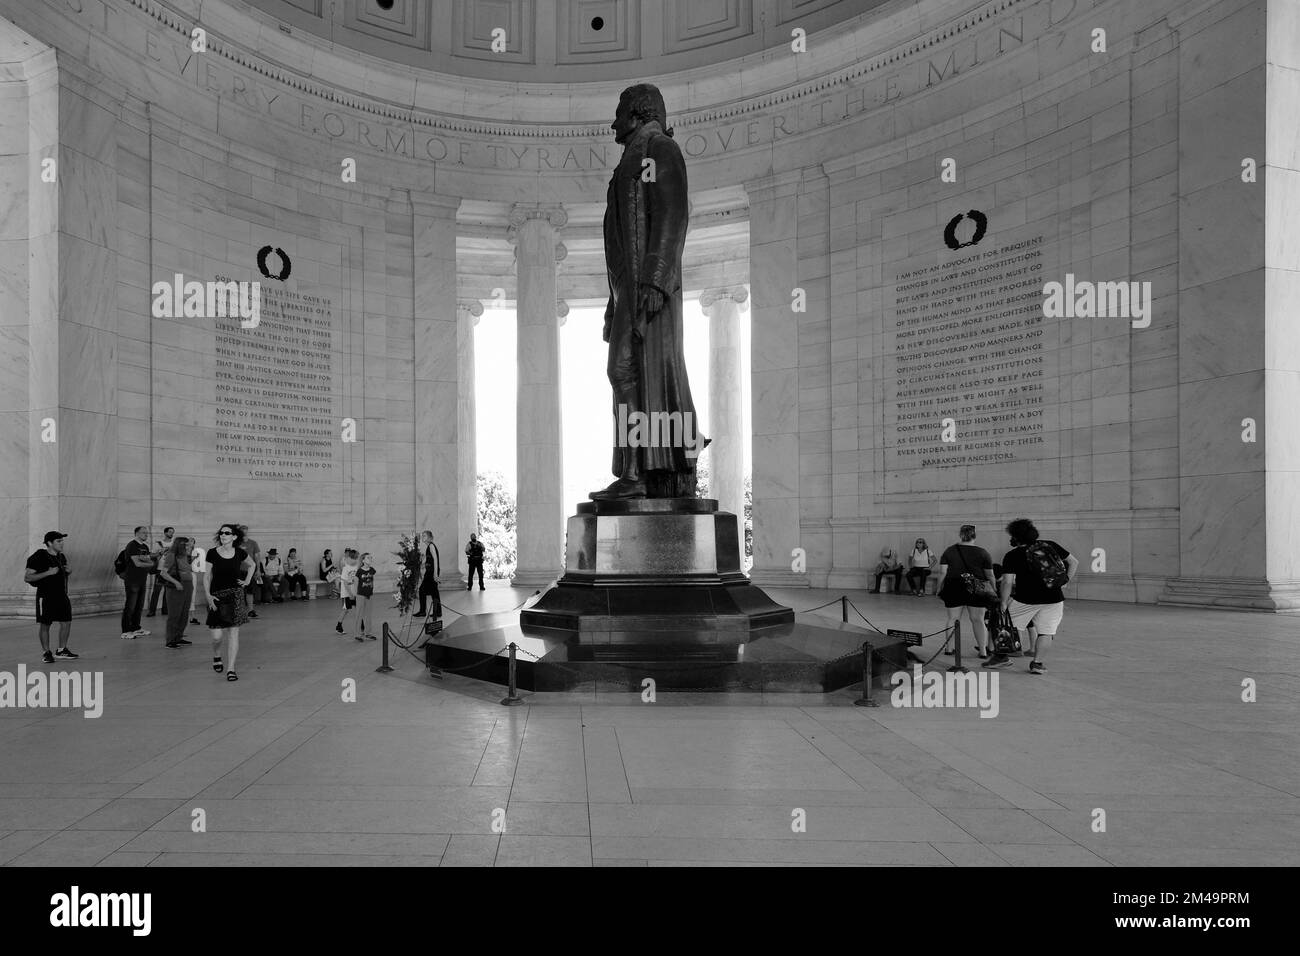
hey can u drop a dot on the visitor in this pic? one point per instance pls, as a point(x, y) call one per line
point(226, 573)
point(958, 560)
point(254, 551)
point(176, 574)
point(47, 570)
point(330, 572)
point(273, 576)
point(135, 578)
point(294, 577)
point(919, 563)
point(347, 586)
point(160, 548)
point(891, 566)
point(474, 550)
point(365, 591)
point(430, 569)
point(1035, 573)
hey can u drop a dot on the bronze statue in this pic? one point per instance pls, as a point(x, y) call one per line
point(656, 436)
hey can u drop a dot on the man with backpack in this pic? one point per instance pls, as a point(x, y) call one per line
point(47, 571)
point(133, 564)
point(1035, 573)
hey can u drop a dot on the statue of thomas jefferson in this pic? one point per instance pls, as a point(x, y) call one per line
point(656, 435)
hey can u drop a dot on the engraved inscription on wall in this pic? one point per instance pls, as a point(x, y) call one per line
point(970, 369)
point(277, 391)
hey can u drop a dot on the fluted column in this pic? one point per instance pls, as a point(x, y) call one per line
point(540, 479)
point(726, 412)
point(467, 316)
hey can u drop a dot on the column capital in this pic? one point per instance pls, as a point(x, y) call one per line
point(561, 310)
point(520, 213)
point(473, 306)
point(432, 204)
point(561, 252)
point(736, 293)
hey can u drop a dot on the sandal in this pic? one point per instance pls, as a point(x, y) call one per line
point(232, 676)
point(217, 665)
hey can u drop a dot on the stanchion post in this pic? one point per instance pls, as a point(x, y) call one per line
point(844, 607)
point(512, 697)
point(866, 700)
point(383, 668)
point(956, 636)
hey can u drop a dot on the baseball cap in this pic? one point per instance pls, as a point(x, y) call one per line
point(53, 536)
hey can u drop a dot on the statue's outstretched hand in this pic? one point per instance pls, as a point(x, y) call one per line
point(652, 300)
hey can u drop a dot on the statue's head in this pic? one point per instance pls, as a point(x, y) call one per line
point(639, 104)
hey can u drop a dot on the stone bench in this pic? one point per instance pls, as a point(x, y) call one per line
point(312, 587)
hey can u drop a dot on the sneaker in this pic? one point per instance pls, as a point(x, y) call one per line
point(171, 644)
point(66, 654)
point(194, 620)
point(47, 658)
point(152, 614)
point(183, 642)
point(252, 614)
point(371, 637)
point(338, 626)
point(142, 633)
point(129, 635)
point(1037, 667)
point(997, 661)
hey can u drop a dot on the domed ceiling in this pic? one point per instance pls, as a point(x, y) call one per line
point(560, 41)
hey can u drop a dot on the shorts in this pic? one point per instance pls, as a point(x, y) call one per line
point(1046, 618)
point(349, 603)
point(955, 598)
point(53, 610)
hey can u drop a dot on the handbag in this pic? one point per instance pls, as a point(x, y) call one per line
point(1006, 639)
point(975, 588)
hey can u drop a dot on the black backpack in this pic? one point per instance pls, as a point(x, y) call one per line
point(120, 564)
point(1051, 569)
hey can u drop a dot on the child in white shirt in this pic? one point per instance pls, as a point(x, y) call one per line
point(347, 586)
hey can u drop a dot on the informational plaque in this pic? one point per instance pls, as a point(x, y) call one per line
point(277, 391)
point(970, 367)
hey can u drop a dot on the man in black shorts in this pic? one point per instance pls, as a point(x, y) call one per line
point(48, 570)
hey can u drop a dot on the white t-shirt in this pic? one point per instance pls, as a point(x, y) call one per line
point(348, 581)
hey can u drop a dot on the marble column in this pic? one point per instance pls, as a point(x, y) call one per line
point(1238, 344)
point(467, 316)
point(726, 412)
point(438, 389)
point(774, 376)
point(540, 509)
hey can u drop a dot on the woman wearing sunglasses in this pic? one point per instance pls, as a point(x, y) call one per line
point(226, 571)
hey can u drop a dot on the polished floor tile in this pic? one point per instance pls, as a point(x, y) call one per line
point(1140, 715)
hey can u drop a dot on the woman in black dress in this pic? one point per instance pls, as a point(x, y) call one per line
point(227, 569)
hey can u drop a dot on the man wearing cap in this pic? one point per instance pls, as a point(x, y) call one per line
point(47, 569)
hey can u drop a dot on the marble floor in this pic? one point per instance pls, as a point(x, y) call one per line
point(1140, 715)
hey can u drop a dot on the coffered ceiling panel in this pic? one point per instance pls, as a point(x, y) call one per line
point(557, 41)
point(691, 24)
point(788, 10)
point(475, 26)
point(592, 31)
point(398, 21)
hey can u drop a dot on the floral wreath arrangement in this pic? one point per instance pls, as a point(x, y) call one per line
point(408, 573)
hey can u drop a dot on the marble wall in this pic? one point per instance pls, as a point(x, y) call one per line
point(1124, 163)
